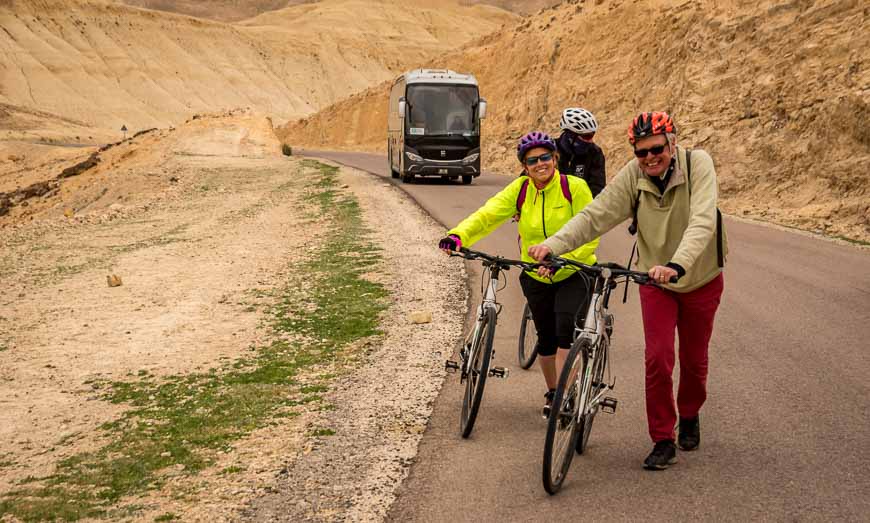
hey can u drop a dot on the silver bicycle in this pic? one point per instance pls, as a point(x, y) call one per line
point(586, 377)
point(475, 356)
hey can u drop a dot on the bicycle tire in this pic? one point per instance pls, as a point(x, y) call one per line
point(584, 426)
point(478, 372)
point(558, 455)
point(527, 349)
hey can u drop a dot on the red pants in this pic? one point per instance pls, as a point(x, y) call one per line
point(691, 314)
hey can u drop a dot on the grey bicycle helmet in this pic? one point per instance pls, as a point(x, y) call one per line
point(578, 120)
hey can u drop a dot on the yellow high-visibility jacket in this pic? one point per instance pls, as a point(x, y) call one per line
point(542, 214)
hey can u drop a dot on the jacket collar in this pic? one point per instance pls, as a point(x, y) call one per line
point(553, 181)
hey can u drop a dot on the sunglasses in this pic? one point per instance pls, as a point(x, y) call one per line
point(656, 149)
point(533, 160)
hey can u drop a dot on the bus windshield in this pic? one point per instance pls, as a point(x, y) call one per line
point(442, 110)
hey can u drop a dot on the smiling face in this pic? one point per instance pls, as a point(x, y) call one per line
point(542, 170)
point(654, 164)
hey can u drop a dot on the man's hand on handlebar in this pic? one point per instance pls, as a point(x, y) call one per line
point(540, 252)
point(450, 243)
point(662, 274)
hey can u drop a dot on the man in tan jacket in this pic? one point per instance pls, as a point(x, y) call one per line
point(672, 195)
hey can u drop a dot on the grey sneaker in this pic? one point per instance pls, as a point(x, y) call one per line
point(663, 455)
point(690, 433)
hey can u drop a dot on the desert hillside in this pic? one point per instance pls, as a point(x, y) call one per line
point(234, 10)
point(106, 65)
point(222, 10)
point(780, 96)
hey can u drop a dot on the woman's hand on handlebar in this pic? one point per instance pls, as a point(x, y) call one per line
point(450, 243)
point(662, 274)
point(540, 253)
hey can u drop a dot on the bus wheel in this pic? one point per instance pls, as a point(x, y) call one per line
point(466, 179)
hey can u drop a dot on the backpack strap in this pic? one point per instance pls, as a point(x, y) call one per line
point(566, 190)
point(720, 258)
point(521, 197)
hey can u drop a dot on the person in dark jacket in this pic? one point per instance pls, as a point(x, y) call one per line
point(578, 155)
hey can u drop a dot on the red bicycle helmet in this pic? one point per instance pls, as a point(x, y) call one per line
point(649, 124)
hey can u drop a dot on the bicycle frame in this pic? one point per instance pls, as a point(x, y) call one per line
point(594, 329)
point(486, 302)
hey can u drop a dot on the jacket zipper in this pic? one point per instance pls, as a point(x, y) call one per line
point(543, 221)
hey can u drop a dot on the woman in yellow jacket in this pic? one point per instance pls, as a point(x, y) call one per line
point(545, 201)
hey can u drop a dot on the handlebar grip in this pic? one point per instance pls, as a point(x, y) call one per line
point(674, 279)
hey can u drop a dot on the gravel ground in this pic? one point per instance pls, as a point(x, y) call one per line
point(383, 407)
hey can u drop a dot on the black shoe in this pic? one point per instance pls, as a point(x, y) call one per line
point(662, 456)
point(545, 412)
point(690, 433)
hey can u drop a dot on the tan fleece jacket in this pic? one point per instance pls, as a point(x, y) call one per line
point(672, 227)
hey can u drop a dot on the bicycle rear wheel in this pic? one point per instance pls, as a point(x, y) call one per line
point(562, 424)
point(528, 342)
point(478, 370)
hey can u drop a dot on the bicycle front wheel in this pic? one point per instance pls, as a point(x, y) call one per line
point(528, 342)
point(477, 370)
point(568, 401)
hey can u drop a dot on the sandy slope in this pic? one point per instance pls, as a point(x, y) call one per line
point(110, 65)
point(233, 10)
point(778, 95)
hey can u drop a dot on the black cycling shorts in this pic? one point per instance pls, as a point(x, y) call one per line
point(554, 307)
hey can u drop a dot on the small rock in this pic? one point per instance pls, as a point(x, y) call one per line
point(69, 213)
point(421, 317)
point(113, 280)
point(166, 454)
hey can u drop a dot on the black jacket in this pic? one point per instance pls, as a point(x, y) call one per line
point(582, 159)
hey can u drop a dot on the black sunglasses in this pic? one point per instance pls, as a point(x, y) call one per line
point(533, 160)
point(656, 149)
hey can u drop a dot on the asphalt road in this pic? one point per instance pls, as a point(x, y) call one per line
point(785, 430)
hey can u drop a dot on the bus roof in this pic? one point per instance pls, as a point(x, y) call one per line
point(438, 76)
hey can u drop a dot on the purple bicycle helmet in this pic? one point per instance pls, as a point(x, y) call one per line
point(532, 140)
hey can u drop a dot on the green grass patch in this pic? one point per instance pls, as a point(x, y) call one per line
point(176, 425)
point(321, 432)
point(169, 516)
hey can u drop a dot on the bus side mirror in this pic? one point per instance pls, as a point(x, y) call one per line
point(402, 107)
point(481, 109)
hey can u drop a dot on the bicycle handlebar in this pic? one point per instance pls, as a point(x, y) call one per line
point(503, 263)
point(641, 278)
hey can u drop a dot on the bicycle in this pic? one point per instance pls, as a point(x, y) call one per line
point(527, 347)
point(582, 386)
point(476, 353)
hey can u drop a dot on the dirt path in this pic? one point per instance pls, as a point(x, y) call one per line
point(200, 262)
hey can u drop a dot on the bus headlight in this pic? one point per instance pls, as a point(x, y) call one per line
point(471, 158)
point(413, 157)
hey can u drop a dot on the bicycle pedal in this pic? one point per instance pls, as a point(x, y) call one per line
point(609, 405)
point(451, 366)
point(499, 372)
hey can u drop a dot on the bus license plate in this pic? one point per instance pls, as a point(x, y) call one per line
point(442, 171)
